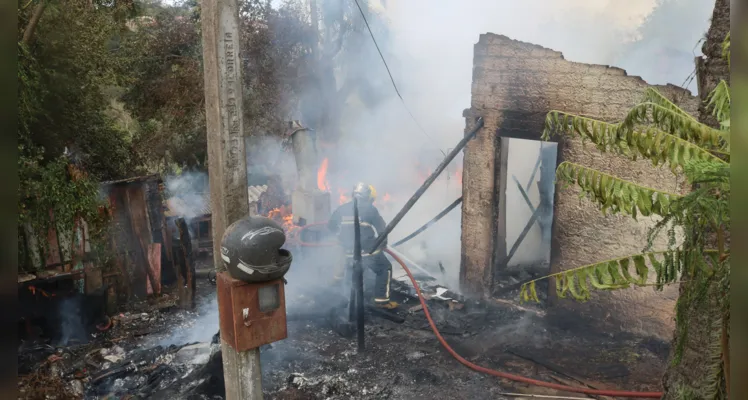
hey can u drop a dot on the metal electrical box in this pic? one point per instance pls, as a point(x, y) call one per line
point(251, 314)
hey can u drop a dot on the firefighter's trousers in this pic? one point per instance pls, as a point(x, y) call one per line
point(382, 269)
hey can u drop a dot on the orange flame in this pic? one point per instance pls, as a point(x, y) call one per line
point(34, 289)
point(343, 198)
point(458, 174)
point(322, 183)
point(284, 217)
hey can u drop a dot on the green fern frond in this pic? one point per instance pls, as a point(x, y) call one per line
point(726, 49)
point(719, 101)
point(615, 194)
point(674, 123)
point(715, 174)
point(652, 143)
point(611, 275)
point(652, 95)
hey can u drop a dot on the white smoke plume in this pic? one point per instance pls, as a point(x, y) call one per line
point(429, 49)
point(186, 194)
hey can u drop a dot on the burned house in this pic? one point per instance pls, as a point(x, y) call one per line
point(509, 172)
point(71, 290)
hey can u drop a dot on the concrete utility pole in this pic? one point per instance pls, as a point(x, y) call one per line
point(227, 165)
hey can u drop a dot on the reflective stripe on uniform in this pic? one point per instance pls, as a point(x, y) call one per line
point(386, 297)
point(362, 224)
point(364, 253)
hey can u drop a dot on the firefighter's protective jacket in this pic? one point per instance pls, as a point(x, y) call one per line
point(372, 224)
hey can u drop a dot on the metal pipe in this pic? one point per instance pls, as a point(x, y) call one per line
point(428, 224)
point(417, 195)
point(359, 274)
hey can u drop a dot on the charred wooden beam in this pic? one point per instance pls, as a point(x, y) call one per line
point(186, 271)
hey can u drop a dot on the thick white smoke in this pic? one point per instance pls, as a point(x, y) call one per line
point(429, 49)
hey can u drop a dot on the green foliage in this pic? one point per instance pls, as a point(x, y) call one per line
point(726, 48)
point(614, 274)
point(687, 146)
point(616, 194)
point(63, 65)
point(61, 74)
point(48, 191)
point(719, 102)
point(658, 130)
point(165, 92)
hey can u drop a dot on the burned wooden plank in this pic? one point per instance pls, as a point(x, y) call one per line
point(138, 215)
point(186, 271)
point(154, 266)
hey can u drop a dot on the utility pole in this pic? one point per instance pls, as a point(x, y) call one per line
point(227, 166)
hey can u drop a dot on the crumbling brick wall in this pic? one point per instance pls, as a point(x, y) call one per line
point(515, 85)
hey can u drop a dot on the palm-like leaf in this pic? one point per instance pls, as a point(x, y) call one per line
point(649, 142)
point(616, 194)
point(674, 122)
point(656, 129)
point(719, 102)
point(614, 274)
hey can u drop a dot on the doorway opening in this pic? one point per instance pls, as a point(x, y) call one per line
point(526, 206)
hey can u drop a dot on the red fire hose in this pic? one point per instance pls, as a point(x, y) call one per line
point(475, 367)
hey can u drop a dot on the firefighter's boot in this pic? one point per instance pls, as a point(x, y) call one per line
point(382, 268)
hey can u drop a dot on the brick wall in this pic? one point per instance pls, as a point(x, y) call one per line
point(515, 84)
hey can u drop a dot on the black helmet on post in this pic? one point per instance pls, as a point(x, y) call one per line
point(251, 250)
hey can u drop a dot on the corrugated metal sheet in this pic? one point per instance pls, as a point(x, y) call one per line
point(199, 203)
point(254, 192)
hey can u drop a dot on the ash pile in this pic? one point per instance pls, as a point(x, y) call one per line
point(130, 360)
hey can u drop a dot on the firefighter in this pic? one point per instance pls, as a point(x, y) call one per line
point(371, 225)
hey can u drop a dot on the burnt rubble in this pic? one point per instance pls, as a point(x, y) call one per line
point(158, 351)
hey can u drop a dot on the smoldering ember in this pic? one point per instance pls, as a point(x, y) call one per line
point(333, 200)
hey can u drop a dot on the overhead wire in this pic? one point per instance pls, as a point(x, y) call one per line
point(692, 75)
point(392, 79)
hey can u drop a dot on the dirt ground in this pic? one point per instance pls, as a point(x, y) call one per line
point(401, 360)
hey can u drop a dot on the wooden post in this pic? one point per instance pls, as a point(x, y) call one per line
point(186, 271)
point(227, 165)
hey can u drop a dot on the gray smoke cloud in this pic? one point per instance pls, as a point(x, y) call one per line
point(186, 193)
point(429, 49)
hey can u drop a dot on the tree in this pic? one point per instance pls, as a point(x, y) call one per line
point(166, 96)
point(660, 131)
point(66, 56)
point(340, 64)
point(165, 90)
